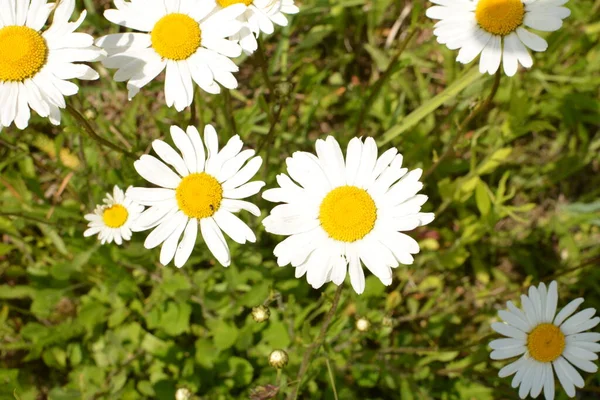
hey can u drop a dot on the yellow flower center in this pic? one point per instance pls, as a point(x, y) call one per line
point(176, 36)
point(227, 3)
point(546, 343)
point(115, 216)
point(347, 213)
point(500, 17)
point(23, 53)
point(199, 195)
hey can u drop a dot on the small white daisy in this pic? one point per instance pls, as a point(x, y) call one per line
point(259, 16)
point(547, 341)
point(204, 192)
point(338, 213)
point(496, 29)
point(35, 64)
point(113, 219)
point(184, 37)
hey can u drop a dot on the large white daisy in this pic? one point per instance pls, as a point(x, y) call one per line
point(496, 29)
point(113, 219)
point(204, 192)
point(36, 63)
point(546, 342)
point(182, 36)
point(338, 213)
point(259, 16)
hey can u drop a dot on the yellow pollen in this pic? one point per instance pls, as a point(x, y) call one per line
point(227, 3)
point(23, 53)
point(199, 195)
point(545, 343)
point(176, 36)
point(115, 216)
point(500, 17)
point(347, 213)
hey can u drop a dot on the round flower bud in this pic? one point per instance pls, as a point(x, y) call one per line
point(261, 313)
point(387, 321)
point(363, 324)
point(183, 394)
point(278, 359)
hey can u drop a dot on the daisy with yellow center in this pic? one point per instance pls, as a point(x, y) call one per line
point(36, 64)
point(203, 192)
point(547, 342)
point(496, 29)
point(185, 38)
point(339, 213)
point(259, 16)
point(112, 220)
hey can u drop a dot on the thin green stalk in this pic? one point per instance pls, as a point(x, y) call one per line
point(381, 81)
point(90, 131)
point(229, 112)
point(465, 124)
point(316, 344)
point(331, 378)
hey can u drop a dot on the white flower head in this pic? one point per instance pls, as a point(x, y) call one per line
point(203, 192)
point(112, 220)
point(36, 64)
point(547, 342)
point(182, 36)
point(339, 212)
point(259, 16)
point(496, 29)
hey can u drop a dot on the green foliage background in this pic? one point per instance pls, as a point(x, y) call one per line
point(517, 202)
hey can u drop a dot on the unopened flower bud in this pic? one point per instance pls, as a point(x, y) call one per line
point(363, 324)
point(261, 313)
point(387, 321)
point(183, 394)
point(278, 359)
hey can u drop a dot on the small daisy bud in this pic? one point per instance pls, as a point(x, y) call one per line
point(261, 313)
point(278, 359)
point(363, 324)
point(183, 394)
point(387, 321)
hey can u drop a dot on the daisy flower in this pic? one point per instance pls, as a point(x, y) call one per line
point(496, 29)
point(338, 213)
point(546, 342)
point(204, 192)
point(259, 16)
point(35, 64)
point(113, 219)
point(183, 36)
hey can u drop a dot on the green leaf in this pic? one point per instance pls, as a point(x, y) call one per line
point(176, 319)
point(482, 199)
point(224, 334)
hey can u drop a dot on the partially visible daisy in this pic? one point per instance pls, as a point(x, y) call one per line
point(203, 193)
point(35, 64)
point(184, 37)
point(496, 29)
point(546, 342)
point(259, 16)
point(113, 219)
point(338, 213)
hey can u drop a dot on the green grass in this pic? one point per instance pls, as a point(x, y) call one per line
point(516, 195)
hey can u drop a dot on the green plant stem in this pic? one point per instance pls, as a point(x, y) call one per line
point(316, 344)
point(264, 68)
point(381, 81)
point(229, 111)
point(90, 131)
point(28, 217)
point(331, 378)
point(465, 124)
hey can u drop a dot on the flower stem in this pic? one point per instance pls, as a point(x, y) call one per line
point(316, 344)
point(90, 131)
point(381, 81)
point(465, 124)
point(229, 112)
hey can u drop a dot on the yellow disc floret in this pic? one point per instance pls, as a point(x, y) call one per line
point(227, 3)
point(500, 17)
point(176, 36)
point(23, 53)
point(545, 343)
point(199, 195)
point(347, 213)
point(115, 216)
